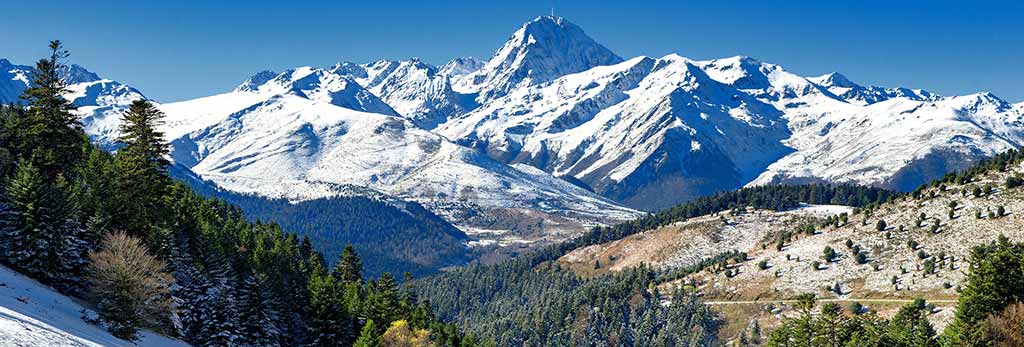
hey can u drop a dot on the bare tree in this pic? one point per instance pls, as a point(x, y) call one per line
point(130, 287)
point(1007, 328)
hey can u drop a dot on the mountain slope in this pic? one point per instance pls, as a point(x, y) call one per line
point(390, 235)
point(634, 130)
point(421, 92)
point(291, 147)
point(32, 314)
point(915, 245)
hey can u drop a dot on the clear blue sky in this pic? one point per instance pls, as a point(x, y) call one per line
point(185, 49)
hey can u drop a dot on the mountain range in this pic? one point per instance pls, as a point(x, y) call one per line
point(554, 132)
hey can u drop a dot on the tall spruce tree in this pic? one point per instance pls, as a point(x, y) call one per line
point(330, 322)
point(368, 336)
point(143, 182)
point(349, 268)
point(49, 135)
point(38, 234)
point(384, 303)
point(9, 115)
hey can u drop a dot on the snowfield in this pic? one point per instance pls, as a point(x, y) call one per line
point(34, 315)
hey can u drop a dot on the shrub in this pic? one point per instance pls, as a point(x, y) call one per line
point(1013, 182)
point(763, 265)
point(828, 254)
point(815, 265)
point(129, 286)
point(856, 307)
point(861, 258)
point(880, 225)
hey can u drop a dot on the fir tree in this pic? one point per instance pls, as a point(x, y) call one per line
point(49, 135)
point(219, 326)
point(330, 323)
point(259, 321)
point(143, 182)
point(383, 297)
point(349, 268)
point(368, 336)
point(39, 233)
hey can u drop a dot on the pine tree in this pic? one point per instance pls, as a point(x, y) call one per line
point(39, 233)
point(219, 319)
point(50, 136)
point(384, 304)
point(94, 191)
point(330, 323)
point(349, 268)
point(368, 336)
point(191, 294)
point(143, 182)
point(257, 310)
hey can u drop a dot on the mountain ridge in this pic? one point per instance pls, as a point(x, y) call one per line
point(552, 102)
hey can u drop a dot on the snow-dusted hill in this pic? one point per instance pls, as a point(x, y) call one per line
point(32, 314)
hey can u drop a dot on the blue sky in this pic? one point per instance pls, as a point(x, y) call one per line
point(181, 50)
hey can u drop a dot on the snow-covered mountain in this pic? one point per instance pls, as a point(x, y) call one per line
point(13, 80)
point(492, 145)
point(842, 87)
point(653, 132)
point(459, 67)
point(293, 145)
point(646, 131)
point(100, 101)
point(540, 51)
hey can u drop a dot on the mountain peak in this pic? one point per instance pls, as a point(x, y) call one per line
point(461, 66)
point(75, 73)
point(547, 21)
point(834, 79)
point(253, 83)
point(540, 51)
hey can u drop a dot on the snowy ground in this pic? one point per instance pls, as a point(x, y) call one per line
point(32, 314)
